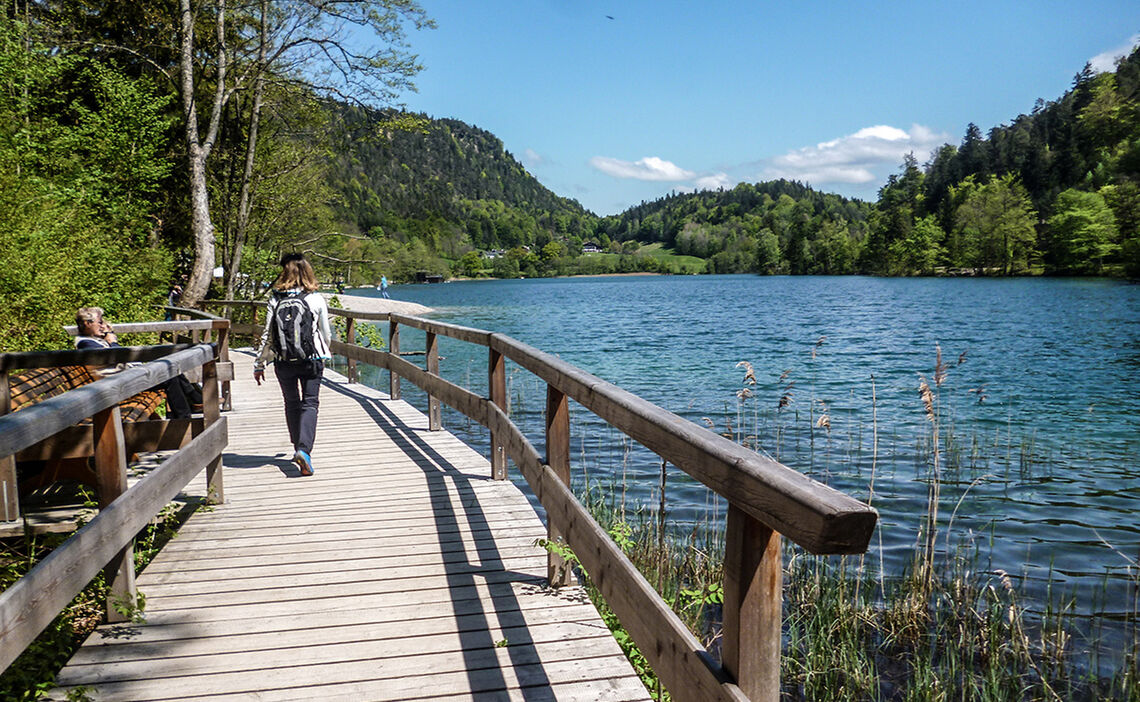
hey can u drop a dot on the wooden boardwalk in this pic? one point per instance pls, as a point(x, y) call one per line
point(399, 571)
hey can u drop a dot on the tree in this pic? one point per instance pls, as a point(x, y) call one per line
point(921, 251)
point(768, 258)
point(996, 224)
point(81, 159)
point(218, 51)
point(471, 264)
point(1084, 232)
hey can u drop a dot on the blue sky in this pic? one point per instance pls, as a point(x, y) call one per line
point(684, 95)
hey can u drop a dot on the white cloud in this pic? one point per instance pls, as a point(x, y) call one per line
point(713, 181)
point(1106, 61)
point(648, 168)
point(532, 159)
point(854, 158)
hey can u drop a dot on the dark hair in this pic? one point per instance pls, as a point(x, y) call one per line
point(286, 258)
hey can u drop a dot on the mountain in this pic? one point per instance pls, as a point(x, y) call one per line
point(455, 176)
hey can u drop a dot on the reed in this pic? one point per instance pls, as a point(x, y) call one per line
point(948, 626)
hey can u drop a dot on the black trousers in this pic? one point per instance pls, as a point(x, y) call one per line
point(178, 390)
point(301, 386)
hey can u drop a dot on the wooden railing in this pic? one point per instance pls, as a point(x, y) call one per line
point(106, 542)
point(766, 499)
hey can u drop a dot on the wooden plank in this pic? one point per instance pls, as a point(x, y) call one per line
point(111, 477)
point(322, 629)
point(558, 458)
point(394, 353)
point(88, 357)
point(350, 340)
point(565, 605)
point(483, 671)
point(497, 383)
point(145, 436)
point(150, 327)
point(454, 331)
point(211, 413)
point(435, 412)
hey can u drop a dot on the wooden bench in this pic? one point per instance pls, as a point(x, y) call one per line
point(38, 384)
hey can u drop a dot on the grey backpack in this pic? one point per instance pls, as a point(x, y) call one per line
point(292, 331)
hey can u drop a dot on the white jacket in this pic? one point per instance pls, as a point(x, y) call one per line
point(322, 334)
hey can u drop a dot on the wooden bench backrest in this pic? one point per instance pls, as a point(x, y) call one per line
point(38, 384)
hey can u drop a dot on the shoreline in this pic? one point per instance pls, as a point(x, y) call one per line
point(359, 303)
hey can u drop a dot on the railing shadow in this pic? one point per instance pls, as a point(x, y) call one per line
point(476, 642)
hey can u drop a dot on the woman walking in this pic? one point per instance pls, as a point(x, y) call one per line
point(296, 338)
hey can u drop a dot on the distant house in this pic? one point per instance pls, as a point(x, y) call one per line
point(591, 247)
point(494, 253)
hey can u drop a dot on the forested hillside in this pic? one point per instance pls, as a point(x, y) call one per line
point(1054, 191)
point(773, 227)
point(450, 173)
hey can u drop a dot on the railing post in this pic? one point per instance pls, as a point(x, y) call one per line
point(350, 338)
point(558, 458)
point(111, 481)
point(394, 349)
point(435, 411)
point(753, 577)
point(497, 383)
point(9, 484)
point(211, 411)
point(224, 356)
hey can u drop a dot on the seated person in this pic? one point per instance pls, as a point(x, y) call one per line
point(96, 333)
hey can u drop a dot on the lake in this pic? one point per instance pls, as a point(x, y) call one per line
point(1039, 411)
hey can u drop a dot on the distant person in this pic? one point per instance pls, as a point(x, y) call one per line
point(96, 333)
point(296, 339)
point(172, 299)
point(384, 287)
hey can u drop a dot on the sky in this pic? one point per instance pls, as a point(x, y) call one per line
point(617, 102)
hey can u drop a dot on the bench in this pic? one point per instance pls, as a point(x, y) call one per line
point(38, 384)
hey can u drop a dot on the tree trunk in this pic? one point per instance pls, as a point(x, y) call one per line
point(233, 265)
point(198, 152)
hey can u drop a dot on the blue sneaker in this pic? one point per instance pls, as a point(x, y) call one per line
point(304, 462)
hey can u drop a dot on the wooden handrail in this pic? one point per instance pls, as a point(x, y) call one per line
point(87, 357)
point(766, 500)
point(106, 542)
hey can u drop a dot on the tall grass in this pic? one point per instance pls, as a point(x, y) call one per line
point(949, 625)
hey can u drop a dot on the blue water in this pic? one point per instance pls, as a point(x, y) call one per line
point(1043, 407)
